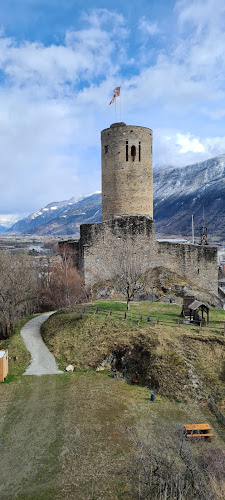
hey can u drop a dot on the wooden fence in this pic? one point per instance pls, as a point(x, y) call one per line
point(216, 409)
point(151, 319)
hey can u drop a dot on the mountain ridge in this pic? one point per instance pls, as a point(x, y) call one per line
point(179, 192)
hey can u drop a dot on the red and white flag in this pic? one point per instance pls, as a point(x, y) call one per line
point(116, 93)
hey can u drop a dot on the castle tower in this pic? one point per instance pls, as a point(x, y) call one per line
point(127, 180)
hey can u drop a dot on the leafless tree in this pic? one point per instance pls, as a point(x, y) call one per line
point(172, 469)
point(127, 263)
point(63, 286)
point(18, 290)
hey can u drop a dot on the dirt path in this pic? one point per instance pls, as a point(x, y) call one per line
point(42, 360)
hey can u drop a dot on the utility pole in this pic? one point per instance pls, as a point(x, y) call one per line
point(203, 231)
point(193, 234)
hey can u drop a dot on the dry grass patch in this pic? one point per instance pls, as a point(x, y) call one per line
point(176, 360)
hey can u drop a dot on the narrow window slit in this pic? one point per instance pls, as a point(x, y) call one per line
point(126, 150)
point(133, 152)
point(139, 151)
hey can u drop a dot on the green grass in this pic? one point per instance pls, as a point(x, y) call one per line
point(160, 353)
point(16, 349)
point(163, 311)
point(68, 436)
point(71, 436)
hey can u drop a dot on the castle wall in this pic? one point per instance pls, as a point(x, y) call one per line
point(198, 264)
point(127, 214)
point(101, 246)
point(127, 179)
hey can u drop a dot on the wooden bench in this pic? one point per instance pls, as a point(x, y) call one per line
point(198, 430)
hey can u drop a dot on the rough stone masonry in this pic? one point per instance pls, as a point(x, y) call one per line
point(127, 214)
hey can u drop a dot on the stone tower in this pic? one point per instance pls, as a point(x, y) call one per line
point(127, 180)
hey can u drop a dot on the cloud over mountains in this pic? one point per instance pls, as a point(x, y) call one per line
point(54, 95)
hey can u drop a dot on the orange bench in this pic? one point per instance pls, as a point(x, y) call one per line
point(197, 430)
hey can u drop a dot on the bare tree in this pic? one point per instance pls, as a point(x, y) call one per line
point(18, 290)
point(126, 263)
point(171, 469)
point(131, 264)
point(63, 286)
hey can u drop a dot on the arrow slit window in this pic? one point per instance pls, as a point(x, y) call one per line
point(133, 152)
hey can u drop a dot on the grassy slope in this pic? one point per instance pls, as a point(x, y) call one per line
point(16, 349)
point(166, 355)
point(67, 436)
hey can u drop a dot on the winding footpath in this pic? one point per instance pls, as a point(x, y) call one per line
point(42, 360)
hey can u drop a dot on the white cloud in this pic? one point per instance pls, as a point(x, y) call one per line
point(147, 27)
point(190, 70)
point(85, 54)
point(7, 220)
point(189, 143)
point(199, 13)
point(54, 100)
point(215, 114)
point(203, 48)
point(172, 147)
point(48, 122)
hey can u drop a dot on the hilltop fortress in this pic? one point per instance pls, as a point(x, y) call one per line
point(127, 215)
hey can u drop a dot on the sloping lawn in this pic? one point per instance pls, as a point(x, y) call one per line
point(69, 436)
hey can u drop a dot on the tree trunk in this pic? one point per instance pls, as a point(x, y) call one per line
point(128, 303)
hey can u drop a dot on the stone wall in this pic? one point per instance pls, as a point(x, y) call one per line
point(100, 245)
point(127, 179)
point(127, 213)
point(196, 263)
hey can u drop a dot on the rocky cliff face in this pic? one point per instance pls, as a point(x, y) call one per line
point(178, 193)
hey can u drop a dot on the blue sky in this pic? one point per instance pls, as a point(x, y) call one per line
point(59, 64)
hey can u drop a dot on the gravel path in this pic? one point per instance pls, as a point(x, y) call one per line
point(42, 360)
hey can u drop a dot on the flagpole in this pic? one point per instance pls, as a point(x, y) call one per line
point(120, 102)
point(115, 110)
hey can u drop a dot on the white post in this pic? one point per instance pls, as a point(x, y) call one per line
point(120, 102)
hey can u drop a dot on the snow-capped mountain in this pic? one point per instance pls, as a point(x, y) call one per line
point(62, 217)
point(181, 192)
point(178, 193)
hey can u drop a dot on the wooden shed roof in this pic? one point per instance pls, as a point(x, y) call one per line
point(197, 304)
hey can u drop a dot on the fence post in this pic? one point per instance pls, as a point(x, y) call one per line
point(216, 409)
point(140, 319)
